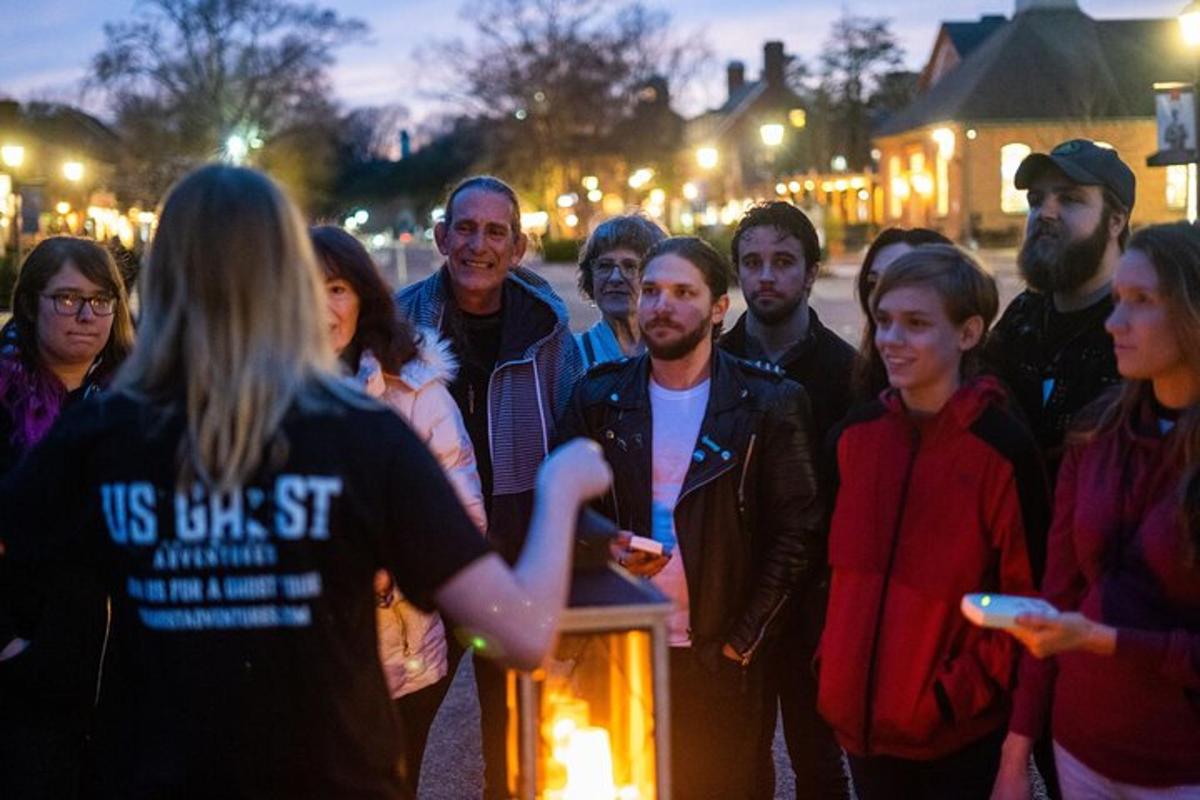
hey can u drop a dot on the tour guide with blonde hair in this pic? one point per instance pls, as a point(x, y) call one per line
point(238, 499)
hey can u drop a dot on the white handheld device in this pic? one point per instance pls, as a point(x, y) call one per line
point(1001, 610)
point(647, 545)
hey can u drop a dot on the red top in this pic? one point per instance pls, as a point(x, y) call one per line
point(1117, 555)
point(926, 512)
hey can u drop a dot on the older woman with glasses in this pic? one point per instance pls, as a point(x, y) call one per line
point(610, 269)
point(69, 332)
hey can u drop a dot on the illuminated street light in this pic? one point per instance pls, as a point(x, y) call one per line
point(798, 117)
point(236, 149)
point(73, 171)
point(707, 157)
point(838, 164)
point(591, 183)
point(772, 134)
point(1189, 23)
point(361, 216)
point(13, 155)
point(690, 192)
point(567, 200)
point(640, 177)
point(595, 196)
point(62, 207)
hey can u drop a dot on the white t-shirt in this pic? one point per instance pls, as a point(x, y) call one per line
point(677, 416)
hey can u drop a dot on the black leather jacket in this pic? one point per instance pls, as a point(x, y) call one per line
point(748, 516)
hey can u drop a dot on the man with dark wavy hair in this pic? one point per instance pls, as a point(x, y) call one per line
point(777, 256)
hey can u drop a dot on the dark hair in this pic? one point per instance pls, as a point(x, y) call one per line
point(29, 391)
point(1174, 252)
point(869, 377)
point(965, 288)
point(381, 329)
point(702, 255)
point(628, 232)
point(787, 218)
point(93, 262)
point(486, 183)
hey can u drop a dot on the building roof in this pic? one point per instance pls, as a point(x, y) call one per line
point(966, 36)
point(1054, 64)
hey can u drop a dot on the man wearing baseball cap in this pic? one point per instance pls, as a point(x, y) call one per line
point(1050, 345)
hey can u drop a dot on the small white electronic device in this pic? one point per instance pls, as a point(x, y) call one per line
point(647, 545)
point(1001, 610)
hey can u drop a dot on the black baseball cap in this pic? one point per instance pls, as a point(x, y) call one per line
point(1086, 163)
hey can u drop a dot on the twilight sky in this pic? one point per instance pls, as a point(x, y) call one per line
point(45, 45)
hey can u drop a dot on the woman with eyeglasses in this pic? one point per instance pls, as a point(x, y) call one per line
point(69, 332)
point(610, 270)
point(237, 498)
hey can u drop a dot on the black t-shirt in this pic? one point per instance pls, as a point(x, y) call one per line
point(477, 341)
point(244, 621)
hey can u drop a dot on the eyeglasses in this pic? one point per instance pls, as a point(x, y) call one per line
point(69, 304)
point(630, 267)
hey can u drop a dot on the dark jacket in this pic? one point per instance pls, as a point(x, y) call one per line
point(748, 518)
point(1117, 556)
point(927, 510)
point(821, 363)
point(538, 365)
point(1022, 351)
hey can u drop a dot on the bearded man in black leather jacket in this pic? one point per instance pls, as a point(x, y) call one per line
point(712, 457)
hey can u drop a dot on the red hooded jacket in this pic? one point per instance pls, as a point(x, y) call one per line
point(928, 509)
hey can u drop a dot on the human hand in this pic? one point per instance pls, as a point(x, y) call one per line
point(1012, 779)
point(732, 654)
point(1047, 636)
point(576, 468)
point(638, 562)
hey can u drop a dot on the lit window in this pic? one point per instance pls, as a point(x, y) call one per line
point(1177, 187)
point(1012, 199)
point(899, 188)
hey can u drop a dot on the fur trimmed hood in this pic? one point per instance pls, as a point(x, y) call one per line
point(434, 361)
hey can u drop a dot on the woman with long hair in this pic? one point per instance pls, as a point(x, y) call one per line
point(869, 377)
point(941, 493)
point(69, 332)
point(1118, 668)
point(408, 372)
point(237, 497)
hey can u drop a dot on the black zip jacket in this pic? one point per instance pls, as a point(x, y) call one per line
point(748, 518)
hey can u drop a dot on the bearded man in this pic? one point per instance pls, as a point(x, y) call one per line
point(713, 460)
point(1050, 345)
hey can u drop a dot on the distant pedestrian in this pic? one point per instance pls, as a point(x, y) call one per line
point(1119, 667)
point(941, 491)
point(610, 269)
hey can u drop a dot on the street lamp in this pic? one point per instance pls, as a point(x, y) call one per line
point(13, 155)
point(1189, 26)
point(707, 157)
